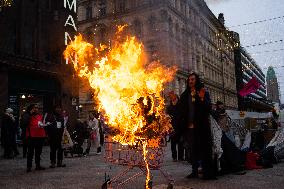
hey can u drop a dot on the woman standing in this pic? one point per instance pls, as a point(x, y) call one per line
point(94, 137)
point(35, 134)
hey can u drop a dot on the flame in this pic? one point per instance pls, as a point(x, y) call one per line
point(128, 88)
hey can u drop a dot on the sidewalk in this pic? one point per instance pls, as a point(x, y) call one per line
point(89, 172)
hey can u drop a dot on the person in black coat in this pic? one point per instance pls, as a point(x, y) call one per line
point(24, 122)
point(8, 134)
point(55, 128)
point(194, 110)
point(175, 137)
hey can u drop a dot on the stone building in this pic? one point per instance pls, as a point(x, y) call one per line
point(32, 69)
point(272, 86)
point(177, 32)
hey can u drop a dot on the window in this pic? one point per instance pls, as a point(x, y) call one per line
point(121, 6)
point(152, 23)
point(102, 9)
point(88, 12)
point(170, 26)
point(138, 28)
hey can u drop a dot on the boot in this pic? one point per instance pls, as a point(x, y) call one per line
point(59, 164)
point(86, 152)
point(192, 175)
point(29, 169)
point(52, 165)
point(39, 168)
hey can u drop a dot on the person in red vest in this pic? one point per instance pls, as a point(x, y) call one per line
point(35, 134)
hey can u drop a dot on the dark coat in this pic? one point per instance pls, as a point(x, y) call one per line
point(8, 131)
point(25, 120)
point(52, 131)
point(201, 116)
point(172, 110)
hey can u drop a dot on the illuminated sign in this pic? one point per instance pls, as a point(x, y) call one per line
point(70, 5)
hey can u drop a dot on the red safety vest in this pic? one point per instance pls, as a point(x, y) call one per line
point(34, 130)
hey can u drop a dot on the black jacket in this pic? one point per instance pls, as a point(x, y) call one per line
point(8, 131)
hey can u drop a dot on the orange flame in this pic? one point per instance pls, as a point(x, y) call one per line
point(128, 88)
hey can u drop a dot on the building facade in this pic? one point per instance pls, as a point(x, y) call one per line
point(177, 32)
point(246, 69)
point(273, 93)
point(32, 68)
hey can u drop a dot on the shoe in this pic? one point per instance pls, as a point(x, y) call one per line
point(52, 165)
point(98, 153)
point(209, 178)
point(59, 164)
point(39, 168)
point(29, 169)
point(174, 160)
point(192, 175)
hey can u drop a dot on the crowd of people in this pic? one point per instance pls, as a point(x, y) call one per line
point(50, 128)
point(201, 135)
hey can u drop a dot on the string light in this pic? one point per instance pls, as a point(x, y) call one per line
point(256, 22)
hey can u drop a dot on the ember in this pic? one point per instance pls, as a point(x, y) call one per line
point(128, 88)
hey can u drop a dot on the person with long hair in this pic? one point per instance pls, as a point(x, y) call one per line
point(194, 111)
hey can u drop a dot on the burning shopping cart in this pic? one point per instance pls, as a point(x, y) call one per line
point(132, 157)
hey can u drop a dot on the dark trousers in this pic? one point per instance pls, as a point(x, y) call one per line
point(200, 149)
point(25, 147)
point(192, 149)
point(177, 148)
point(25, 143)
point(8, 151)
point(56, 150)
point(34, 147)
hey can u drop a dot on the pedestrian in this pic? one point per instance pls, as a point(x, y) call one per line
point(35, 135)
point(175, 137)
point(55, 128)
point(220, 115)
point(194, 109)
point(8, 134)
point(94, 133)
point(24, 122)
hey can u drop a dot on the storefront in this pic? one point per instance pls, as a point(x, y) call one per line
point(29, 88)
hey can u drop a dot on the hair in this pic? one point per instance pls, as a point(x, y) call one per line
point(198, 84)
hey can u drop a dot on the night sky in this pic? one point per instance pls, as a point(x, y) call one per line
point(240, 12)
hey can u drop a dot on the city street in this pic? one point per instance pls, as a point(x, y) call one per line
point(88, 172)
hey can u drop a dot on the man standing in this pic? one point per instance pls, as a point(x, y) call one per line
point(194, 109)
point(55, 128)
point(35, 134)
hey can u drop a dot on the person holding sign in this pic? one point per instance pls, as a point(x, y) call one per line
point(55, 129)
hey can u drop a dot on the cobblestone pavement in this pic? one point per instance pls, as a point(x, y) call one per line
point(89, 173)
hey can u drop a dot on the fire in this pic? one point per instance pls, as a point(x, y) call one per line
point(128, 88)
